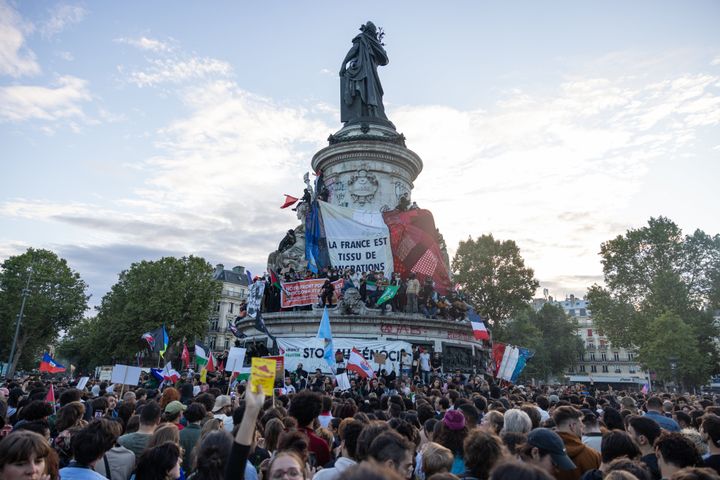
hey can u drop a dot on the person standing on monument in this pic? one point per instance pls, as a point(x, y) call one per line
point(411, 293)
point(360, 89)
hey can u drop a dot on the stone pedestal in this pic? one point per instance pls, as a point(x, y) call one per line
point(368, 167)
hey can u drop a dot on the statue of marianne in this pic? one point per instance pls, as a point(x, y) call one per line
point(360, 89)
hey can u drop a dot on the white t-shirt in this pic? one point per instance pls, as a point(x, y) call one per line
point(425, 361)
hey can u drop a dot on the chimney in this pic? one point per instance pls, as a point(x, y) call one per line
point(240, 270)
point(219, 268)
point(572, 299)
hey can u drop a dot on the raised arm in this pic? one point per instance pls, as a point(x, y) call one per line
point(235, 469)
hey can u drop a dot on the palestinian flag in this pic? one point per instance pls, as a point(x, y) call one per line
point(201, 358)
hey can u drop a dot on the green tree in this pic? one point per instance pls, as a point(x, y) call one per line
point(550, 333)
point(55, 301)
point(673, 352)
point(177, 292)
point(653, 271)
point(494, 276)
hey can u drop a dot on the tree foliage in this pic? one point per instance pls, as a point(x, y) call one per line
point(550, 333)
point(177, 292)
point(56, 301)
point(494, 276)
point(653, 273)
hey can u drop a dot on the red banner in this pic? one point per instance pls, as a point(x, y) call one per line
point(305, 292)
point(415, 247)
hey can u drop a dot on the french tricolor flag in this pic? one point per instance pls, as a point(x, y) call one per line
point(47, 364)
point(478, 326)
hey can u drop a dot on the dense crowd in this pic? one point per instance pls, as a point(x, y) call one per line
point(454, 427)
point(413, 296)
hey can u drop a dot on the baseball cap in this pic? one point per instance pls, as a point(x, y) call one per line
point(546, 439)
point(175, 407)
point(221, 402)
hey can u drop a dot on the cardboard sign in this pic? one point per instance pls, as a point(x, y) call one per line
point(125, 375)
point(235, 359)
point(279, 367)
point(262, 372)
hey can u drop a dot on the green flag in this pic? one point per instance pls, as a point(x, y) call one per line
point(389, 293)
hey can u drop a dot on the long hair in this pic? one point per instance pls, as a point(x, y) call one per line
point(20, 446)
point(155, 463)
point(212, 456)
point(167, 432)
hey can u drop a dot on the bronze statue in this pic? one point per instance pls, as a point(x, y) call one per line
point(360, 89)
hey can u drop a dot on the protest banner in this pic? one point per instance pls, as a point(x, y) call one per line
point(305, 292)
point(279, 366)
point(357, 239)
point(262, 373)
point(343, 381)
point(125, 375)
point(310, 351)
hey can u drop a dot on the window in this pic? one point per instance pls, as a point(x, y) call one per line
point(632, 369)
point(581, 369)
point(616, 356)
point(214, 324)
point(593, 368)
point(631, 357)
point(581, 356)
point(212, 343)
point(231, 307)
point(571, 312)
point(592, 357)
point(605, 369)
point(589, 332)
point(217, 306)
point(618, 370)
point(583, 312)
point(603, 357)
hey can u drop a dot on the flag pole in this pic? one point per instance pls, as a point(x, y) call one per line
point(231, 375)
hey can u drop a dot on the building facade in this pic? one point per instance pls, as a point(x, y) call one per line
point(602, 363)
point(234, 292)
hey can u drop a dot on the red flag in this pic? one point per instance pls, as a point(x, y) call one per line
point(210, 367)
point(289, 200)
point(221, 366)
point(50, 397)
point(185, 355)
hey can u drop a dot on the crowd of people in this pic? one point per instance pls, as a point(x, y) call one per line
point(455, 427)
point(413, 296)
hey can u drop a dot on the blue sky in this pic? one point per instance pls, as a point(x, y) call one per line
point(133, 130)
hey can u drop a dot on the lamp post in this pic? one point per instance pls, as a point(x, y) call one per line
point(673, 369)
point(25, 293)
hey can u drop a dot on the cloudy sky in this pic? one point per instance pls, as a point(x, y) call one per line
point(133, 130)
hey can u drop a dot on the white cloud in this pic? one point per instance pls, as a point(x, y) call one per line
point(16, 60)
point(61, 17)
point(145, 43)
point(67, 56)
point(715, 61)
point(178, 71)
point(62, 101)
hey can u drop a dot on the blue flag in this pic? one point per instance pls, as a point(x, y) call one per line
point(523, 356)
point(312, 237)
point(325, 333)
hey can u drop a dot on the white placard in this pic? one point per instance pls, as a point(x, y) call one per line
point(126, 375)
point(235, 359)
point(343, 381)
point(82, 383)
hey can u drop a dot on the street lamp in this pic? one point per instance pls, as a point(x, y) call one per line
point(673, 369)
point(25, 293)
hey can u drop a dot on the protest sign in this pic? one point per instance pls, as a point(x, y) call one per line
point(310, 351)
point(357, 239)
point(343, 381)
point(235, 359)
point(304, 292)
point(82, 382)
point(125, 375)
point(262, 373)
